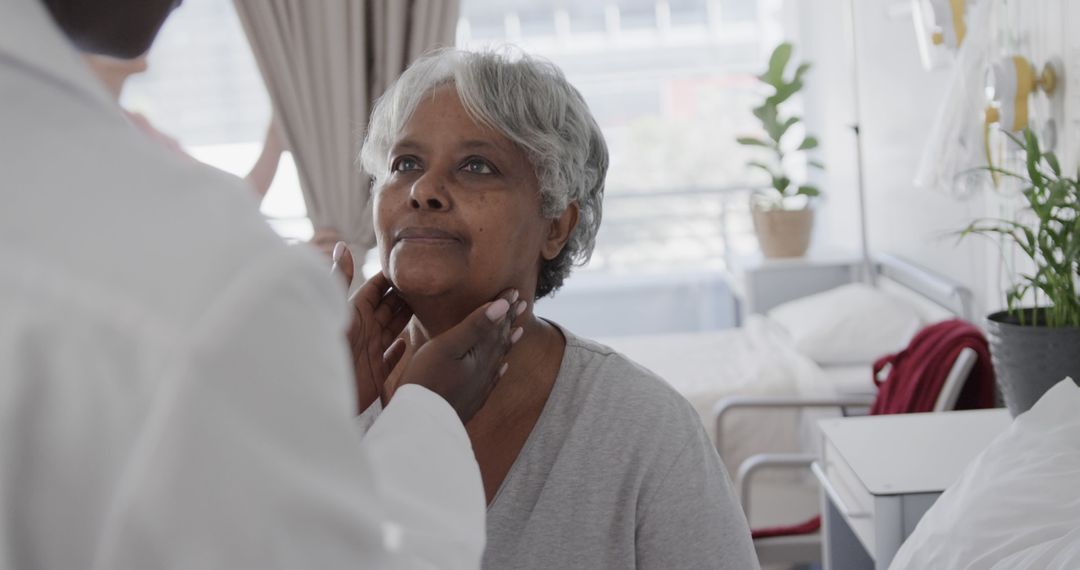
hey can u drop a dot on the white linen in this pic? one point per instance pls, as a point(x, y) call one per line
point(756, 360)
point(1016, 505)
point(850, 324)
point(851, 379)
point(174, 385)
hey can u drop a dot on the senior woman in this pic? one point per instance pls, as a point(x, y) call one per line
point(489, 174)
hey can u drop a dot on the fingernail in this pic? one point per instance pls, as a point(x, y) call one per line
point(516, 335)
point(513, 295)
point(502, 369)
point(497, 309)
point(521, 306)
point(339, 249)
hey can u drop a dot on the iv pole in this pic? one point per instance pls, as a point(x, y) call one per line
point(866, 269)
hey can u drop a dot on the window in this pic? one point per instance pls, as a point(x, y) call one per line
point(671, 83)
point(204, 89)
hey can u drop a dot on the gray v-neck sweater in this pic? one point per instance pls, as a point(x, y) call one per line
point(617, 473)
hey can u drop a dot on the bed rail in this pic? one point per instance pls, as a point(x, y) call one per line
point(951, 295)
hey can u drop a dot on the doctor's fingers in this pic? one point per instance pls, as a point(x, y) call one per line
point(393, 354)
point(480, 330)
point(496, 350)
point(486, 358)
point(518, 315)
point(342, 263)
point(393, 329)
point(388, 308)
point(370, 295)
point(493, 344)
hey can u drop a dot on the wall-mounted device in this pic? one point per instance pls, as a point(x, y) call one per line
point(1010, 83)
point(940, 28)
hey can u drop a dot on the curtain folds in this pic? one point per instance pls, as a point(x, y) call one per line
point(325, 62)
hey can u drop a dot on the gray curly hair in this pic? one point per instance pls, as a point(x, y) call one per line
point(529, 101)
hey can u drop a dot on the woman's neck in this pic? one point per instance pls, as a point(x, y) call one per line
point(540, 343)
point(436, 315)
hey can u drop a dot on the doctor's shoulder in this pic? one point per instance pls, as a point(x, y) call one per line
point(199, 239)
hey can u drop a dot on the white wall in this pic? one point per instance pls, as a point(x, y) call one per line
point(819, 32)
point(898, 101)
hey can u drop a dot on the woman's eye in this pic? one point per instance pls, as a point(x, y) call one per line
point(477, 166)
point(405, 164)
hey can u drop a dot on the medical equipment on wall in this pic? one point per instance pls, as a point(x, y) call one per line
point(954, 147)
point(941, 26)
point(1010, 84)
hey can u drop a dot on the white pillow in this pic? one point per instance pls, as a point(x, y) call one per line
point(851, 324)
point(1017, 504)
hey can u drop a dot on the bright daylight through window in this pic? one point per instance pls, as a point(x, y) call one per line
point(672, 84)
point(202, 87)
point(670, 81)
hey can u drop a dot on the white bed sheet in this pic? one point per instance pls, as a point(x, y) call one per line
point(1015, 505)
point(758, 359)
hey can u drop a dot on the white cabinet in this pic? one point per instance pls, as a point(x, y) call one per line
point(880, 474)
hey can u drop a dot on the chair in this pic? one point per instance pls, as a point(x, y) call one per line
point(804, 546)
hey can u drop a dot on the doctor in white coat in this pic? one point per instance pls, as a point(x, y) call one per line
point(176, 390)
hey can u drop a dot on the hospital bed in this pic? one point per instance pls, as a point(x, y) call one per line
point(727, 375)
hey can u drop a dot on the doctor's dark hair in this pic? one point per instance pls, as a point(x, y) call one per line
point(529, 101)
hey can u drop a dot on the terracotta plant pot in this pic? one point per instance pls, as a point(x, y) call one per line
point(783, 233)
point(1030, 359)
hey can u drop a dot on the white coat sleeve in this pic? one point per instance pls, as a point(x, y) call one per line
point(249, 456)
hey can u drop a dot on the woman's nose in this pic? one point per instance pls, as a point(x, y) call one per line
point(429, 193)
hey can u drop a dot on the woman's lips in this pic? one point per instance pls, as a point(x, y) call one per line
point(425, 235)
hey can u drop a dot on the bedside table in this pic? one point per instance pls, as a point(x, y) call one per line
point(759, 284)
point(880, 474)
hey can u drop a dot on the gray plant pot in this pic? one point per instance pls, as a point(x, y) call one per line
point(1030, 359)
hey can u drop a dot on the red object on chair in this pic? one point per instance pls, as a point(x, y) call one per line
point(811, 525)
point(914, 380)
point(918, 372)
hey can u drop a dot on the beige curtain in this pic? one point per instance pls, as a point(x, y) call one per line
point(325, 62)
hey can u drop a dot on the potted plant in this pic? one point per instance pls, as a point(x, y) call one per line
point(1035, 347)
point(782, 213)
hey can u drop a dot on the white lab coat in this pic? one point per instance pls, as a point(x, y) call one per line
point(175, 389)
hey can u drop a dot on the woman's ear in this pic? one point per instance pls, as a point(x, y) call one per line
point(559, 232)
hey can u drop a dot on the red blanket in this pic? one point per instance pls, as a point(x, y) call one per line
point(917, 373)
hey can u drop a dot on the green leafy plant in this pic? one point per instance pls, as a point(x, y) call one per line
point(781, 141)
point(1051, 241)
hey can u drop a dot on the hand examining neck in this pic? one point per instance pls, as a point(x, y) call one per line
point(501, 426)
point(435, 315)
point(532, 364)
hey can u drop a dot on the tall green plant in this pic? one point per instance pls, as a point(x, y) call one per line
point(781, 141)
point(1052, 244)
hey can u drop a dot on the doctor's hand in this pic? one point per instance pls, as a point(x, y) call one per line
point(378, 317)
point(464, 363)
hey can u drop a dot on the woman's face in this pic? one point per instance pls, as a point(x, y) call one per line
point(459, 214)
